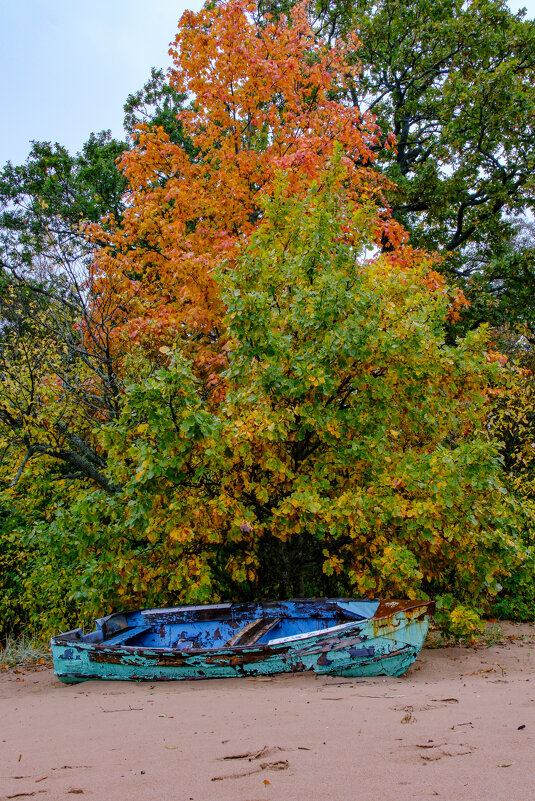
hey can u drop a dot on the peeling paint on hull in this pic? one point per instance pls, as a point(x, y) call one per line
point(385, 643)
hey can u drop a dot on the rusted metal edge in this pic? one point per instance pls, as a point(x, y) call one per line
point(387, 609)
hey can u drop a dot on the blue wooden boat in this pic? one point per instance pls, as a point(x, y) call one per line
point(339, 636)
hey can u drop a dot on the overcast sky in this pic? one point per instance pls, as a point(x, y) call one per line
point(68, 65)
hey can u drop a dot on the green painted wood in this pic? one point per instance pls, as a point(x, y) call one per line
point(382, 645)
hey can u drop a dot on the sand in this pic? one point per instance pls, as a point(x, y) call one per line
point(459, 725)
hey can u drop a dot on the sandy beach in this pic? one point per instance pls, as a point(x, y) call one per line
point(459, 725)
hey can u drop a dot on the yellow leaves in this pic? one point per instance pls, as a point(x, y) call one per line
point(333, 430)
point(366, 584)
point(142, 469)
point(181, 534)
point(464, 622)
point(332, 563)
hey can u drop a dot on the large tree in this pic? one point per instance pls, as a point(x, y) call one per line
point(59, 376)
point(46, 202)
point(349, 454)
point(270, 103)
point(455, 82)
point(309, 411)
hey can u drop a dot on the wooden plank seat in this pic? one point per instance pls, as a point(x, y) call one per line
point(253, 631)
point(124, 635)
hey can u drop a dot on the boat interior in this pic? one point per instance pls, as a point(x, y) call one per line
point(224, 625)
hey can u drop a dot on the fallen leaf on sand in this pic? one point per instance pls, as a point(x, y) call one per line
point(347, 682)
point(429, 745)
point(477, 672)
point(408, 717)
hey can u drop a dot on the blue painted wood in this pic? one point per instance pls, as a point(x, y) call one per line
point(332, 636)
point(127, 634)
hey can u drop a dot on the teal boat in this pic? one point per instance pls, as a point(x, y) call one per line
point(337, 636)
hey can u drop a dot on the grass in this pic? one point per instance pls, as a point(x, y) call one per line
point(491, 635)
point(24, 651)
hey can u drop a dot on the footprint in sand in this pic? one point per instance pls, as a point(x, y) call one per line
point(435, 752)
point(433, 703)
point(255, 757)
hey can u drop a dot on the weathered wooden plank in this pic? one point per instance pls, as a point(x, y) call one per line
point(125, 634)
point(256, 632)
point(243, 631)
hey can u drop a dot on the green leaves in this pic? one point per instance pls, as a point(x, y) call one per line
point(329, 435)
point(348, 454)
point(455, 83)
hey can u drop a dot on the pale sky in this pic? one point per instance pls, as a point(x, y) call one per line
point(68, 65)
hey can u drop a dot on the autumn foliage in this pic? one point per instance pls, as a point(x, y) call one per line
point(264, 100)
point(348, 455)
point(290, 415)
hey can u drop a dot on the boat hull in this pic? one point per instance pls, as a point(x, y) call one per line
point(385, 644)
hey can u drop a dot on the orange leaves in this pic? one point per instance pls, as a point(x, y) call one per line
point(263, 96)
point(458, 302)
point(434, 281)
point(494, 356)
point(262, 100)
